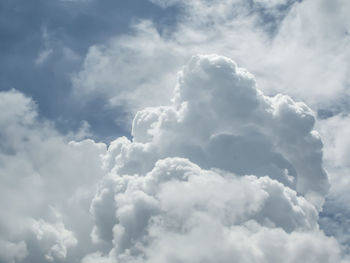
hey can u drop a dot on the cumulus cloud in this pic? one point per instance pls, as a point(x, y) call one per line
point(53, 238)
point(41, 169)
point(212, 176)
point(231, 126)
point(186, 214)
point(300, 48)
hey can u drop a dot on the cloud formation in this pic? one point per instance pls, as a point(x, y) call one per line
point(207, 178)
point(300, 48)
point(274, 39)
point(46, 185)
point(181, 213)
point(213, 176)
point(71, 200)
point(44, 43)
point(219, 119)
point(336, 213)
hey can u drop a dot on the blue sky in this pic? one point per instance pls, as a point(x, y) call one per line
point(174, 131)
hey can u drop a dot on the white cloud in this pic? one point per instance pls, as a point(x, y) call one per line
point(211, 176)
point(128, 69)
point(181, 213)
point(39, 169)
point(299, 48)
point(231, 126)
point(53, 238)
point(220, 121)
point(221, 171)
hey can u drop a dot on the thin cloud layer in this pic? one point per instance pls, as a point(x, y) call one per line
point(181, 213)
point(336, 213)
point(299, 48)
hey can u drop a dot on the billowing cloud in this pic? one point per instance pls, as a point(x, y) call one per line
point(46, 184)
point(212, 176)
point(219, 119)
point(300, 48)
point(224, 169)
point(181, 213)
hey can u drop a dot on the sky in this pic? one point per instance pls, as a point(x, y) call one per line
point(174, 131)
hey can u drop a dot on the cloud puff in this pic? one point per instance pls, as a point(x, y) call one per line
point(180, 213)
point(210, 177)
point(53, 238)
point(219, 119)
point(213, 176)
point(218, 126)
point(41, 169)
